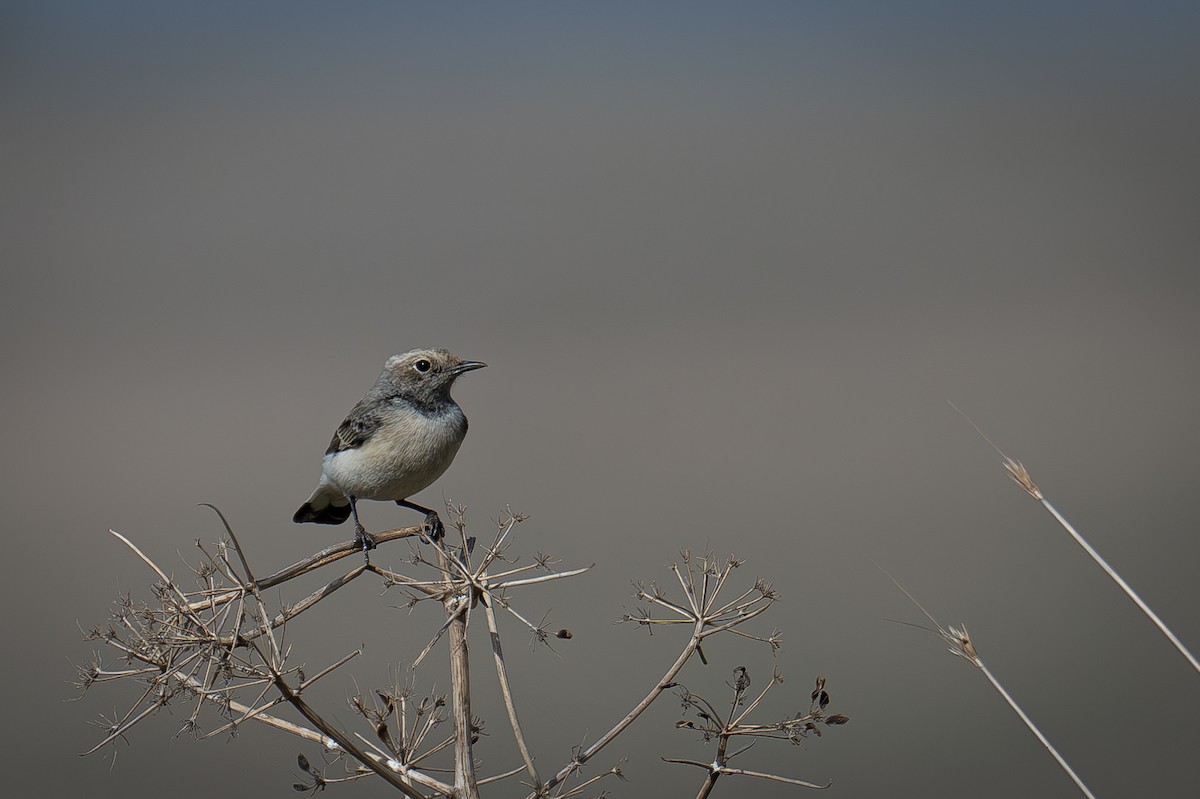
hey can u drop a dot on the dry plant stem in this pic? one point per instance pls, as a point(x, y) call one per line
point(348, 745)
point(738, 722)
point(1124, 586)
point(501, 776)
point(293, 696)
point(1033, 728)
point(704, 621)
point(1021, 477)
point(209, 644)
point(311, 563)
point(733, 725)
point(583, 786)
point(962, 646)
point(545, 578)
point(665, 682)
point(250, 713)
point(745, 773)
point(298, 608)
point(451, 614)
point(714, 772)
point(465, 785)
point(506, 690)
point(773, 777)
point(328, 732)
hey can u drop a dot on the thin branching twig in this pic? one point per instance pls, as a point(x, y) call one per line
point(723, 728)
point(221, 646)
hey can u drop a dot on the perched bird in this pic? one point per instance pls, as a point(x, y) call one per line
point(396, 441)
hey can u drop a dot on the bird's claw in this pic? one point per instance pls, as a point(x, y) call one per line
point(432, 530)
point(364, 540)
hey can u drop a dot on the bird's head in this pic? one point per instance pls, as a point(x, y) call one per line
point(425, 374)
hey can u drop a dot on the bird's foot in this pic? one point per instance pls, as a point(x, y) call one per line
point(364, 540)
point(432, 530)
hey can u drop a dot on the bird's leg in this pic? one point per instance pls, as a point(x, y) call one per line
point(361, 537)
point(433, 523)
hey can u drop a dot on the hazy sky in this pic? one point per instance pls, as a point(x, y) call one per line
point(727, 263)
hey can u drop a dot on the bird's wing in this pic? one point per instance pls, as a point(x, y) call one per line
point(356, 429)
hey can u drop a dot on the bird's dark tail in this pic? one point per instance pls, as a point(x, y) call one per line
point(323, 507)
point(330, 514)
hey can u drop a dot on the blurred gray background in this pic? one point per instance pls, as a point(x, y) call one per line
point(727, 262)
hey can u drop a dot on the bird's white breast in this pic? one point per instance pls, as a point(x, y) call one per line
point(408, 451)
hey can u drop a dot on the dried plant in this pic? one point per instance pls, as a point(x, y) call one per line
point(723, 727)
point(1021, 477)
point(962, 646)
point(219, 646)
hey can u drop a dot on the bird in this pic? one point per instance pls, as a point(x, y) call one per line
point(396, 441)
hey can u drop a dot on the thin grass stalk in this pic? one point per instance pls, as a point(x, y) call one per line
point(1020, 475)
point(962, 646)
point(1033, 728)
point(1124, 586)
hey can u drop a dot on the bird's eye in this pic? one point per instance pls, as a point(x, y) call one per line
point(422, 365)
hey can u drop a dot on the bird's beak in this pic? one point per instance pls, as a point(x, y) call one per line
point(467, 366)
